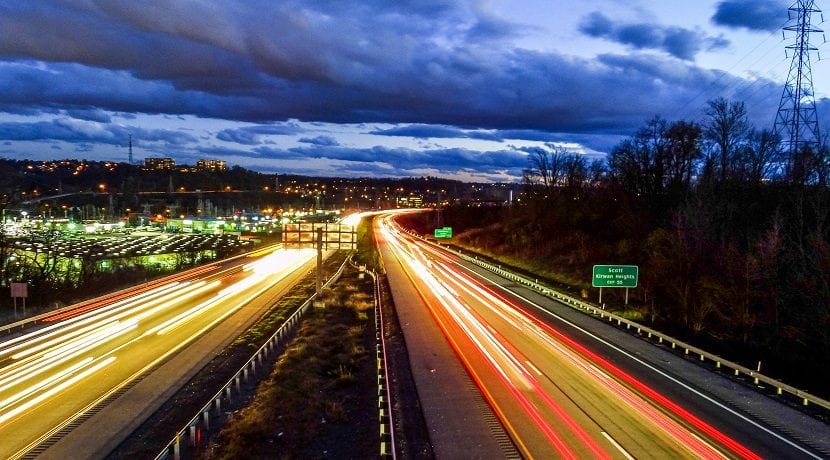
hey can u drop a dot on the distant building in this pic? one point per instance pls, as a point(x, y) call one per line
point(411, 201)
point(159, 163)
point(211, 165)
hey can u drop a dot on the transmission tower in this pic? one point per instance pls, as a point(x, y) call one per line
point(796, 122)
point(130, 154)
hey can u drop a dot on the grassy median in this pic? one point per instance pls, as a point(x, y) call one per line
point(319, 401)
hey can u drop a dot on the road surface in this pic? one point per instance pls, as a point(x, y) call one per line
point(50, 376)
point(564, 391)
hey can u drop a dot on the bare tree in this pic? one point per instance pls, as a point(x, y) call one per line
point(726, 128)
point(548, 166)
point(575, 171)
point(758, 158)
point(683, 150)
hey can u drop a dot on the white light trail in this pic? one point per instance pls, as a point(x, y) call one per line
point(54, 390)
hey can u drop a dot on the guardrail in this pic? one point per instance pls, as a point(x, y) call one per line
point(197, 430)
point(387, 433)
point(804, 397)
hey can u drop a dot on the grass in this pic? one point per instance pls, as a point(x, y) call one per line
point(320, 395)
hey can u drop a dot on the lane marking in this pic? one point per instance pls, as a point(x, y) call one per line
point(617, 445)
point(649, 366)
point(708, 444)
point(535, 369)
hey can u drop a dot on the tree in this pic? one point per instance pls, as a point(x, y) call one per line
point(758, 158)
point(726, 129)
point(549, 167)
point(683, 139)
point(597, 171)
point(575, 171)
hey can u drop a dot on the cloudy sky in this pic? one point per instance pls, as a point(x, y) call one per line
point(452, 88)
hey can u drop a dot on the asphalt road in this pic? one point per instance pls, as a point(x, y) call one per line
point(570, 386)
point(53, 375)
point(459, 420)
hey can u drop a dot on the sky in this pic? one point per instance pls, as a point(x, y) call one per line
point(447, 88)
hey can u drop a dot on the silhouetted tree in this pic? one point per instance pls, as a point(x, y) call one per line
point(726, 128)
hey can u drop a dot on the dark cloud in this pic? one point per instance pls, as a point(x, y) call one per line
point(379, 160)
point(252, 135)
point(404, 159)
point(325, 141)
point(423, 131)
point(445, 160)
point(677, 41)
point(90, 114)
point(81, 131)
point(435, 68)
point(760, 15)
point(429, 62)
point(595, 141)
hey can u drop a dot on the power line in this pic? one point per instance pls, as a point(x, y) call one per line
point(708, 88)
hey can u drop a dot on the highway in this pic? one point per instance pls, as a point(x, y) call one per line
point(51, 375)
point(559, 390)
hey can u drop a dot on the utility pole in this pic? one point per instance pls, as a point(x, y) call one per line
point(796, 121)
point(319, 262)
point(318, 298)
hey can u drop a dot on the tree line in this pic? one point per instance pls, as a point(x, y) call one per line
point(730, 230)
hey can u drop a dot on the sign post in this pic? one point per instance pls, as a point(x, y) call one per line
point(19, 290)
point(615, 276)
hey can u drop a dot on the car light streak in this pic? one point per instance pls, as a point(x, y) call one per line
point(58, 356)
point(86, 318)
point(31, 349)
point(43, 383)
point(450, 286)
point(130, 295)
point(533, 385)
point(92, 337)
point(54, 390)
point(505, 363)
point(509, 312)
point(284, 263)
point(42, 371)
point(653, 395)
point(123, 311)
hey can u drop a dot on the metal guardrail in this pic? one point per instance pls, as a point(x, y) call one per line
point(738, 370)
point(781, 387)
point(197, 431)
point(387, 432)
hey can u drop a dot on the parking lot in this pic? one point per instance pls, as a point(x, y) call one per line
point(122, 246)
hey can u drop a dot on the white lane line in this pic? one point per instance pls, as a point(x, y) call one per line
point(535, 369)
point(709, 445)
point(617, 445)
point(653, 368)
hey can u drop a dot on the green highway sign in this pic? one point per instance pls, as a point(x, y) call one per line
point(621, 276)
point(445, 232)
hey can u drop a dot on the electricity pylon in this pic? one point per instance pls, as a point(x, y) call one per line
point(796, 122)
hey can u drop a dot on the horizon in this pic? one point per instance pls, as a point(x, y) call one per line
point(452, 89)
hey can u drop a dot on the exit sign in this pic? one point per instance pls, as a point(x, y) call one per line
point(445, 232)
point(622, 276)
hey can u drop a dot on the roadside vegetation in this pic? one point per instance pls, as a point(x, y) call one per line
point(732, 236)
point(318, 401)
